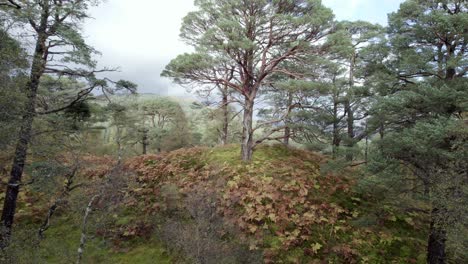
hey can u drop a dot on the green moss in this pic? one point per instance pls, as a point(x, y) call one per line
point(148, 252)
point(62, 240)
point(124, 220)
point(229, 155)
point(273, 242)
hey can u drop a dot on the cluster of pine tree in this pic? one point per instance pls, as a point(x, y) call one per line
point(392, 97)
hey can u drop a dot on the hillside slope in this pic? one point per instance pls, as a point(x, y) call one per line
point(202, 205)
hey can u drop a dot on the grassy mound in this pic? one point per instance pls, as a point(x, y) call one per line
point(279, 205)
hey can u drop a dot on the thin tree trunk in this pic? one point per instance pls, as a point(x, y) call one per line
point(88, 210)
point(349, 110)
point(336, 133)
point(436, 241)
point(366, 152)
point(450, 72)
point(224, 136)
point(24, 137)
point(382, 131)
point(287, 129)
point(247, 131)
point(144, 142)
point(119, 145)
point(440, 59)
point(106, 135)
point(350, 126)
point(66, 190)
point(287, 135)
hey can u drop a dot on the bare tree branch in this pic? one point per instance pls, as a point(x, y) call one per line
point(10, 3)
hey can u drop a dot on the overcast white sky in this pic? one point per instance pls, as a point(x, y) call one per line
point(142, 36)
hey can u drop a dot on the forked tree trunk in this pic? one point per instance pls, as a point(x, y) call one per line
point(436, 242)
point(247, 131)
point(24, 137)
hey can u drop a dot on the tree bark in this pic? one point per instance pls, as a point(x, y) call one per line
point(24, 137)
point(247, 131)
point(437, 239)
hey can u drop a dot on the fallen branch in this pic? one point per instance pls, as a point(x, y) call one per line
point(357, 164)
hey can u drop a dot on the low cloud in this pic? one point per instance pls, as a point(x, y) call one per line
point(141, 37)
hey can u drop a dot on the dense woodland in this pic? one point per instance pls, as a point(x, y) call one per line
point(306, 140)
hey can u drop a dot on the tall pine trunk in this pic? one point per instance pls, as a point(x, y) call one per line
point(436, 241)
point(247, 131)
point(24, 137)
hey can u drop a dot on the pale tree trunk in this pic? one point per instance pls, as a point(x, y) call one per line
point(24, 137)
point(88, 210)
point(119, 144)
point(247, 131)
point(225, 107)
